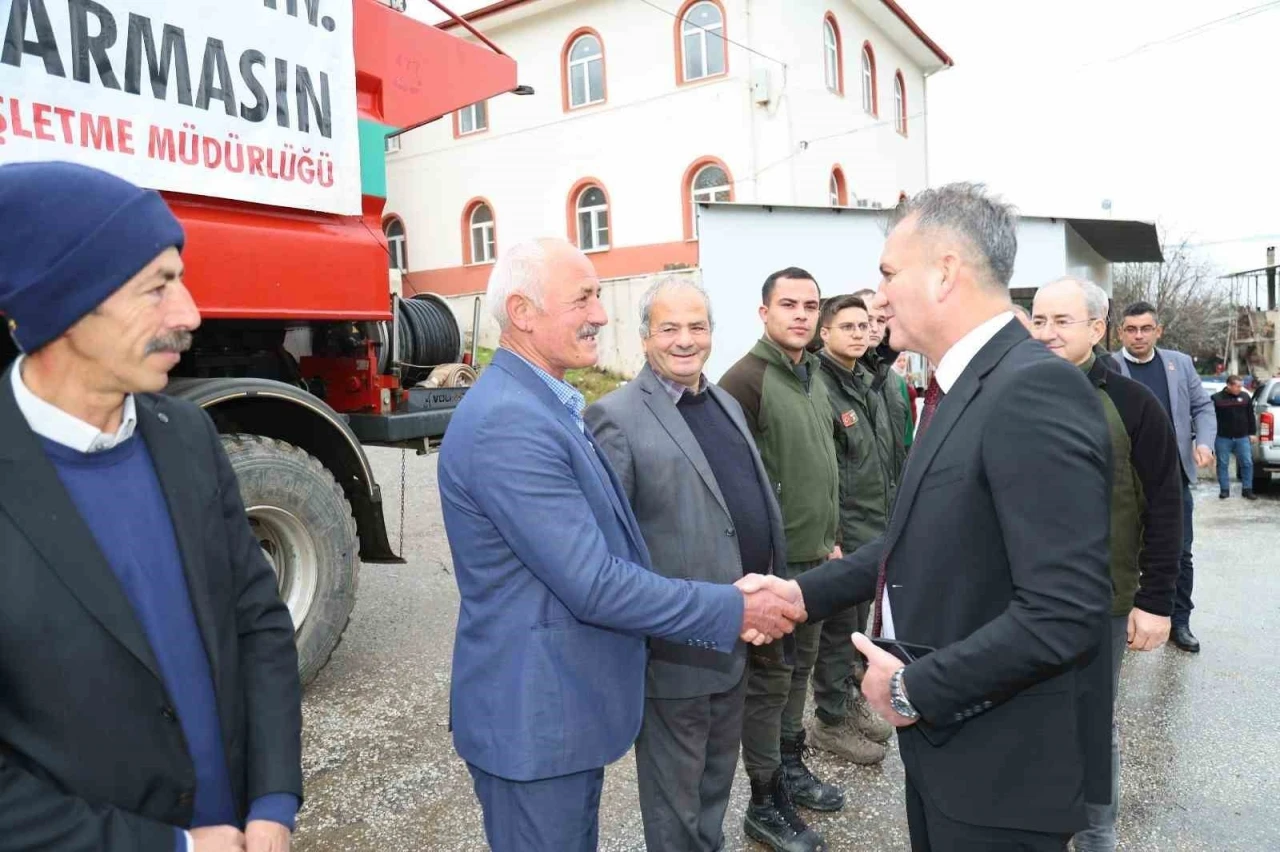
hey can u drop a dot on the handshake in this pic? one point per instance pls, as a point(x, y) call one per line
point(772, 607)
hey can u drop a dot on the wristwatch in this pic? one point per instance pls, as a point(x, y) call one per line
point(898, 696)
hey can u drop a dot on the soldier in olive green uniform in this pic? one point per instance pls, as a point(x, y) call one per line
point(786, 407)
point(866, 455)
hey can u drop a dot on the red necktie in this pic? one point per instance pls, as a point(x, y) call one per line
point(932, 396)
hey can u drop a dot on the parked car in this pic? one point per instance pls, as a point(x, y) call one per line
point(1212, 385)
point(1266, 453)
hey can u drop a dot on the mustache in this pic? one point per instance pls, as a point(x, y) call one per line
point(589, 330)
point(176, 342)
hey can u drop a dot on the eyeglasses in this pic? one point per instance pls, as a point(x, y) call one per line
point(1041, 323)
point(1134, 329)
point(849, 327)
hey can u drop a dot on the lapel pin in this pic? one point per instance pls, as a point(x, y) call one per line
point(164, 418)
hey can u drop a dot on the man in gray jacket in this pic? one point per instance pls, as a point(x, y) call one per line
point(1172, 377)
point(700, 493)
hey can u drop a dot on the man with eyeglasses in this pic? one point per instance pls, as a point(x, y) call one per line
point(1172, 377)
point(844, 723)
point(891, 387)
point(702, 498)
point(1069, 317)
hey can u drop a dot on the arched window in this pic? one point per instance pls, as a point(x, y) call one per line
point(870, 104)
point(481, 233)
point(900, 103)
point(708, 179)
point(397, 253)
point(591, 215)
point(702, 47)
point(832, 55)
point(837, 193)
point(583, 69)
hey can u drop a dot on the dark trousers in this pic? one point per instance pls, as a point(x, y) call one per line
point(1100, 836)
point(686, 755)
point(834, 671)
point(776, 692)
point(548, 815)
point(1182, 605)
point(931, 831)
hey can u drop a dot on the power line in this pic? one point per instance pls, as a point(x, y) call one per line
point(1198, 29)
point(720, 34)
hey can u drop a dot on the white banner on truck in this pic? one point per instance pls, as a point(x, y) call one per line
point(252, 100)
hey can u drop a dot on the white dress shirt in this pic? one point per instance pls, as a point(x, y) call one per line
point(49, 421)
point(948, 372)
point(1129, 356)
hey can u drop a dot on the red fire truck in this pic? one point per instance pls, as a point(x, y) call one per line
point(305, 354)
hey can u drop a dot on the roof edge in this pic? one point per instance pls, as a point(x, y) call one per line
point(918, 32)
point(898, 11)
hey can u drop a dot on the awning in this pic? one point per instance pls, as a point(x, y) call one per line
point(1120, 240)
point(421, 72)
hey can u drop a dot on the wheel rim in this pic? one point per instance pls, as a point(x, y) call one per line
point(290, 549)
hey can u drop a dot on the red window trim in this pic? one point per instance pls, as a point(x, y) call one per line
point(902, 115)
point(467, 210)
point(571, 212)
point(835, 26)
point(679, 42)
point(686, 189)
point(564, 69)
point(842, 188)
point(875, 81)
point(387, 219)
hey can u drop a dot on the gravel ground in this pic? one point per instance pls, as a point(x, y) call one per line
point(1199, 733)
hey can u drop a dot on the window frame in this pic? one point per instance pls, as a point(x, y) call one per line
point(470, 226)
point(870, 95)
point(703, 32)
point(687, 191)
point(839, 198)
point(458, 131)
point(398, 245)
point(900, 103)
point(580, 189)
point(566, 71)
point(836, 47)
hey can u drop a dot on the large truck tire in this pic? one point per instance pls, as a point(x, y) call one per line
point(304, 524)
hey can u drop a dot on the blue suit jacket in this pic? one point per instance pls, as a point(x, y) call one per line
point(557, 594)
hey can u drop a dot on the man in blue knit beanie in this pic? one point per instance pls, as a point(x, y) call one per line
point(149, 695)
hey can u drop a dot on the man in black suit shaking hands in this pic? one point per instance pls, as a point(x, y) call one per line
point(994, 566)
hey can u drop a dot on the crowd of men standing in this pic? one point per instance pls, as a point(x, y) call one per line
point(990, 563)
point(673, 568)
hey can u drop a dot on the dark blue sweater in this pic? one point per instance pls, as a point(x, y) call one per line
point(734, 467)
point(1155, 376)
point(120, 498)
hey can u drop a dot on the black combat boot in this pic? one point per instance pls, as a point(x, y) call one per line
point(805, 789)
point(772, 819)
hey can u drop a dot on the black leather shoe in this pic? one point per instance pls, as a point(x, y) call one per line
point(805, 788)
point(1183, 638)
point(1222, 495)
point(1249, 495)
point(771, 819)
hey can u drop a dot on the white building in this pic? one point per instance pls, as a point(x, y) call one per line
point(643, 106)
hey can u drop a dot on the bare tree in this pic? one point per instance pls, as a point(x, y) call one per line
point(1194, 308)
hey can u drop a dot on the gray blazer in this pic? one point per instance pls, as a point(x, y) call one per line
point(682, 514)
point(1194, 422)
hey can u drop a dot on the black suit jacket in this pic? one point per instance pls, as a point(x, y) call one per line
point(998, 557)
point(91, 755)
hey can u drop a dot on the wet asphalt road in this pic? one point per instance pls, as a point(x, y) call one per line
point(1200, 736)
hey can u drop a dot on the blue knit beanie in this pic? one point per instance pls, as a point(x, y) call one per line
point(70, 236)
